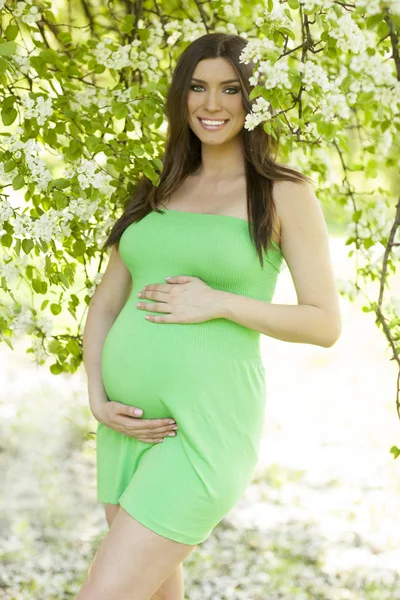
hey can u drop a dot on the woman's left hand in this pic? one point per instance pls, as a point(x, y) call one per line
point(185, 300)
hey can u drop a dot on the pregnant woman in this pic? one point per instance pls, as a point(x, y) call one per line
point(173, 329)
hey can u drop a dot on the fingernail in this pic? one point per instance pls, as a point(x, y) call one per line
point(171, 422)
point(138, 411)
point(171, 433)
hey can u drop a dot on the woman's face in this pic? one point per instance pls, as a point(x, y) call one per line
point(213, 99)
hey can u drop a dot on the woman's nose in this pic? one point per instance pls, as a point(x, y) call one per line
point(212, 101)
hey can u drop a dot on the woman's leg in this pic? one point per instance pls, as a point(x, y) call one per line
point(173, 587)
point(132, 562)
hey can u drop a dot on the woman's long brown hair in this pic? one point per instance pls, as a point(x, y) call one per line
point(182, 154)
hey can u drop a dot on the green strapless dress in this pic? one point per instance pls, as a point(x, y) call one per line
point(208, 376)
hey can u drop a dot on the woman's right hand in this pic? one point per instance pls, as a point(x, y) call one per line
point(121, 418)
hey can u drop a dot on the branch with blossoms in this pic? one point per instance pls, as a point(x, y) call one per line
point(82, 116)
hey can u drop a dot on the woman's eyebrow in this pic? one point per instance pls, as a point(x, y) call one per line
point(222, 82)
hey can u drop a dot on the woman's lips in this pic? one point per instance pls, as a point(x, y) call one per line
point(213, 127)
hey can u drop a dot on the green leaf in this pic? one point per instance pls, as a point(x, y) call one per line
point(73, 347)
point(11, 32)
point(56, 368)
point(60, 183)
point(6, 240)
point(8, 116)
point(79, 248)
point(37, 285)
point(44, 304)
point(288, 32)
point(8, 48)
point(74, 299)
point(4, 65)
point(55, 309)
point(18, 182)
point(395, 451)
point(27, 245)
point(293, 4)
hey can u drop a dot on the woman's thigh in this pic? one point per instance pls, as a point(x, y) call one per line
point(132, 562)
point(111, 512)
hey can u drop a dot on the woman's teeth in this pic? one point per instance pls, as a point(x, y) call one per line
point(213, 124)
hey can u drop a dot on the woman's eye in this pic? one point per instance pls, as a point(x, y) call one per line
point(230, 88)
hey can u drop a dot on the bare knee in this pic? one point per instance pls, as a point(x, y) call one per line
point(111, 512)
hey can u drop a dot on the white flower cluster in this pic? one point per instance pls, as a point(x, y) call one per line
point(374, 222)
point(334, 104)
point(39, 109)
point(45, 325)
point(82, 208)
point(6, 210)
point(191, 30)
point(316, 5)
point(394, 7)
point(232, 9)
point(257, 49)
point(314, 75)
point(2, 2)
point(38, 351)
point(113, 59)
point(89, 174)
point(275, 75)
point(378, 70)
point(259, 113)
point(8, 269)
point(29, 14)
point(348, 287)
point(91, 290)
point(377, 75)
point(373, 7)
point(39, 173)
point(23, 321)
point(348, 35)
point(275, 18)
point(45, 226)
point(392, 305)
point(124, 56)
point(23, 64)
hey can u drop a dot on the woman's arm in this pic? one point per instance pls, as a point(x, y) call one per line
point(305, 246)
point(106, 303)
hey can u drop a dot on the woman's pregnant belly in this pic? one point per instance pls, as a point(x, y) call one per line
point(166, 368)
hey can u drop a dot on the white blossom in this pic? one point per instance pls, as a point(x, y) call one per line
point(348, 35)
point(113, 59)
point(32, 16)
point(6, 210)
point(256, 49)
point(8, 270)
point(22, 322)
point(313, 74)
point(39, 352)
point(81, 207)
point(45, 325)
point(38, 108)
point(316, 5)
point(45, 226)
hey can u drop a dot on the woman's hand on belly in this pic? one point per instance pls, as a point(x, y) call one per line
point(121, 418)
point(185, 300)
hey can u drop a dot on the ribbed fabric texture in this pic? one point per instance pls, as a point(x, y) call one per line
point(208, 377)
point(215, 248)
